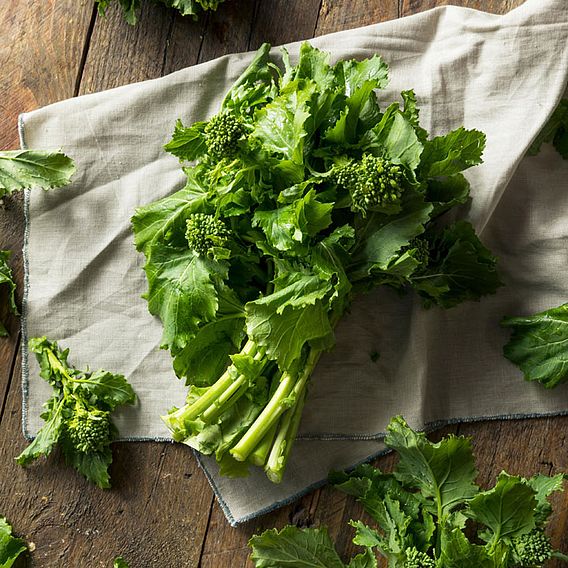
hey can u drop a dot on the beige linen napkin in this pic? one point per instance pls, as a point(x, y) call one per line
point(500, 74)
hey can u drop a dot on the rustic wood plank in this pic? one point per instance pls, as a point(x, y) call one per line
point(409, 7)
point(284, 21)
point(40, 56)
point(338, 15)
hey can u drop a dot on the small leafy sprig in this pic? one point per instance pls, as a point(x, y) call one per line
point(130, 8)
point(77, 416)
point(423, 511)
point(10, 546)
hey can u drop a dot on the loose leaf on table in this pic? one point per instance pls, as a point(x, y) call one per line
point(539, 345)
point(10, 546)
point(301, 548)
point(507, 510)
point(444, 472)
point(21, 169)
point(424, 512)
point(77, 416)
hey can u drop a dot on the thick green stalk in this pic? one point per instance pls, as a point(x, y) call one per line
point(284, 396)
point(232, 394)
point(278, 458)
point(192, 411)
point(260, 454)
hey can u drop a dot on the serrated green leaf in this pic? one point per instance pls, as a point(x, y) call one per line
point(48, 435)
point(93, 465)
point(21, 169)
point(460, 268)
point(365, 560)
point(444, 472)
point(452, 153)
point(395, 137)
point(539, 345)
point(187, 143)
point(294, 548)
point(7, 279)
point(458, 552)
point(386, 235)
point(160, 219)
point(285, 331)
point(182, 292)
point(544, 486)
point(507, 510)
point(202, 361)
point(280, 124)
point(108, 388)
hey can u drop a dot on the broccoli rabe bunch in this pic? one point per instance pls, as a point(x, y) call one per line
point(301, 192)
point(426, 512)
point(78, 415)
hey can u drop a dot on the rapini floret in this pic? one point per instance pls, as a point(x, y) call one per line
point(532, 549)
point(205, 232)
point(89, 429)
point(222, 135)
point(417, 559)
point(374, 183)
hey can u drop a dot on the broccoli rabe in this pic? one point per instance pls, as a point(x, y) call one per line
point(426, 513)
point(417, 559)
point(222, 135)
point(89, 428)
point(204, 232)
point(77, 416)
point(373, 183)
point(532, 550)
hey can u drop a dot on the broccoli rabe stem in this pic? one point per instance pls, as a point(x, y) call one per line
point(284, 397)
point(192, 411)
point(287, 431)
point(260, 454)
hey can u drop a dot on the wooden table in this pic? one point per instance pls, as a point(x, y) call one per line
point(161, 510)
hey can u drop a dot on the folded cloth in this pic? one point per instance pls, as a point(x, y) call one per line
point(500, 74)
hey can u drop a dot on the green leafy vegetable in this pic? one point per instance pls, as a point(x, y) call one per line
point(301, 193)
point(120, 563)
point(294, 547)
point(21, 169)
point(7, 278)
point(10, 546)
point(77, 416)
point(555, 132)
point(539, 345)
point(130, 8)
point(424, 511)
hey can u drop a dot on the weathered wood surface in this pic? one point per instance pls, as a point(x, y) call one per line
point(161, 511)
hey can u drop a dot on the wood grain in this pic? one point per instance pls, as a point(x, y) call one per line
point(161, 511)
